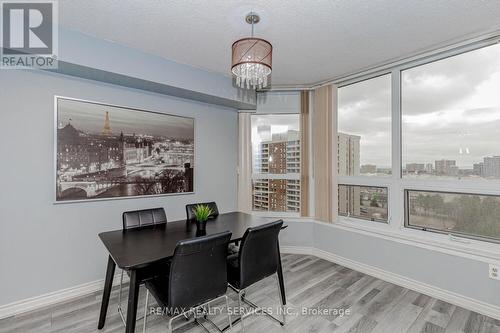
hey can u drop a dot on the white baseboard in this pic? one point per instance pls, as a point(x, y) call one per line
point(55, 297)
point(306, 250)
point(432, 291)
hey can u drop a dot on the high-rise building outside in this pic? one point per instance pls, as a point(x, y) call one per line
point(278, 156)
point(415, 167)
point(348, 154)
point(477, 169)
point(349, 200)
point(491, 166)
point(446, 167)
point(349, 165)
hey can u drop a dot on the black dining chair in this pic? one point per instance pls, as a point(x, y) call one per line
point(189, 209)
point(197, 276)
point(135, 219)
point(256, 260)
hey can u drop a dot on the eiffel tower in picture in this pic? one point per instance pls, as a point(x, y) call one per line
point(106, 130)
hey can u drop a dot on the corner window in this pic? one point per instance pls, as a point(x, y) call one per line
point(445, 174)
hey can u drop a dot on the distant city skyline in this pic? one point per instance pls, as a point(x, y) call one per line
point(90, 118)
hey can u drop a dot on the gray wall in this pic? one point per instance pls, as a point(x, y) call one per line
point(460, 275)
point(46, 247)
point(81, 49)
point(298, 233)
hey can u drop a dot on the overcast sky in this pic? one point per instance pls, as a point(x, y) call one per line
point(451, 110)
point(88, 117)
point(280, 123)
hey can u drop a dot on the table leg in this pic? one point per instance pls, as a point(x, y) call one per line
point(108, 284)
point(133, 295)
point(280, 277)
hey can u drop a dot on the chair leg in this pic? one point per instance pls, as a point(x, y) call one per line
point(120, 293)
point(170, 325)
point(228, 314)
point(283, 307)
point(240, 296)
point(145, 312)
point(205, 312)
point(120, 310)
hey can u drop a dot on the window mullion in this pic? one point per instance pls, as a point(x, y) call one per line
point(395, 204)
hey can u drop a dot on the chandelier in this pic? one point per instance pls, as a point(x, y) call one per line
point(252, 59)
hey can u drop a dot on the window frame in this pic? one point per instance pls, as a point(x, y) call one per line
point(439, 231)
point(365, 218)
point(384, 181)
point(398, 185)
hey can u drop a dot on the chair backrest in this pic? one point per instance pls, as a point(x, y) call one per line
point(144, 217)
point(198, 272)
point(258, 255)
point(190, 207)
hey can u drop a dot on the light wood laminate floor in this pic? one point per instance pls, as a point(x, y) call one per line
point(375, 306)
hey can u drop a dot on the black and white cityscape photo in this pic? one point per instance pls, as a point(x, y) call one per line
point(108, 151)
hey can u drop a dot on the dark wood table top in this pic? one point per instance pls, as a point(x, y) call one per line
point(138, 247)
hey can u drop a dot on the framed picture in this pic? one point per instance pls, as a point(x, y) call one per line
point(106, 151)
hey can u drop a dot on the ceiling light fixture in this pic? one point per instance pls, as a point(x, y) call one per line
point(252, 59)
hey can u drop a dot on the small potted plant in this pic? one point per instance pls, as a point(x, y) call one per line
point(202, 213)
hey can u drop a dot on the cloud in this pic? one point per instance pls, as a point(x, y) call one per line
point(365, 110)
point(449, 82)
point(450, 109)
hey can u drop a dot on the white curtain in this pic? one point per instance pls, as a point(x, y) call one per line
point(245, 162)
point(324, 127)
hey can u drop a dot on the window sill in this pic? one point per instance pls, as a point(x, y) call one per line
point(463, 247)
point(276, 214)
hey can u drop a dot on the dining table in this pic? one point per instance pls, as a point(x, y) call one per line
point(144, 251)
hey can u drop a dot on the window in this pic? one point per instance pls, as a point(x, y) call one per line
point(364, 126)
point(276, 163)
point(364, 148)
point(365, 202)
point(456, 213)
point(450, 121)
point(445, 155)
point(451, 117)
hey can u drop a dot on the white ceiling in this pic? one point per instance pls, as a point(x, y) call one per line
point(313, 40)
